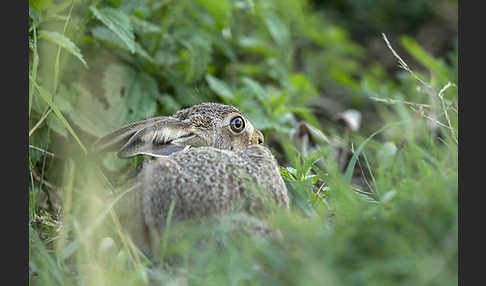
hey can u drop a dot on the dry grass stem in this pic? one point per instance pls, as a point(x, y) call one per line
point(396, 101)
point(430, 118)
point(404, 66)
point(40, 121)
point(369, 168)
point(362, 171)
point(444, 108)
point(430, 89)
point(357, 189)
point(42, 150)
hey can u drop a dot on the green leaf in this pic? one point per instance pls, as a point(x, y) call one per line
point(113, 163)
point(115, 79)
point(256, 89)
point(219, 9)
point(107, 36)
point(97, 118)
point(199, 49)
point(298, 194)
point(220, 88)
point(87, 117)
point(166, 58)
point(59, 7)
point(260, 119)
point(141, 96)
point(119, 23)
point(303, 86)
point(350, 168)
point(49, 270)
point(128, 96)
point(39, 139)
point(169, 104)
point(64, 42)
point(303, 171)
point(288, 173)
point(143, 27)
point(56, 125)
point(278, 30)
point(39, 5)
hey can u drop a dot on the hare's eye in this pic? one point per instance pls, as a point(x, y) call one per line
point(237, 124)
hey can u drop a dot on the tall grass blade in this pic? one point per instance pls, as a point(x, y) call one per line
point(45, 95)
point(352, 163)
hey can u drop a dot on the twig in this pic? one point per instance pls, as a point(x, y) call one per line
point(443, 141)
point(453, 109)
point(43, 181)
point(441, 97)
point(357, 189)
point(404, 66)
point(449, 84)
point(431, 119)
point(40, 121)
point(42, 150)
point(395, 101)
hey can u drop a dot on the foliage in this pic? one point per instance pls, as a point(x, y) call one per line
point(97, 65)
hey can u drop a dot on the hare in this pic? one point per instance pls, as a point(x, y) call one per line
point(207, 159)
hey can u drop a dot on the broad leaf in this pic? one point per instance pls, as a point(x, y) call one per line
point(39, 5)
point(142, 93)
point(64, 42)
point(112, 39)
point(219, 9)
point(143, 27)
point(278, 30)
point(95, 117)
point(220, 88)
point(258, 90)
point(199, 49)
point(119, 23)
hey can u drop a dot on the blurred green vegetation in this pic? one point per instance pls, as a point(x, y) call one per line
point(370, 206)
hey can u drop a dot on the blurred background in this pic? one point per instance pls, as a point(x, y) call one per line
point(367, 142)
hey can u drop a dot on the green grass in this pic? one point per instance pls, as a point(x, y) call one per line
point(101, 64)
point(408, 238)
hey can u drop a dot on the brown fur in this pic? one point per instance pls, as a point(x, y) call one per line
point(227, 172)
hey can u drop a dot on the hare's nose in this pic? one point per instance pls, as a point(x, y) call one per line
point(257, 137)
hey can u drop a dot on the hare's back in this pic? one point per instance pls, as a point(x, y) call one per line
point(206, 181)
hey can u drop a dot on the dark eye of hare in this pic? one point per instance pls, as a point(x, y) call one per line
point(237, 124)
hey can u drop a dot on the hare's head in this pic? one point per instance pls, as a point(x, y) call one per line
point(206, 124)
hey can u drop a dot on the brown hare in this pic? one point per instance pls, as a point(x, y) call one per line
point(208, 159)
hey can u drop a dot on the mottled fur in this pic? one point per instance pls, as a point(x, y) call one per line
point(229, 173)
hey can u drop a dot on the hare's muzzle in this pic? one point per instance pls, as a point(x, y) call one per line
point(257, 137)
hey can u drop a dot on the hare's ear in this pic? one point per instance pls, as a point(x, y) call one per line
point(158, 140)
point(156, 137)
point(116, 139)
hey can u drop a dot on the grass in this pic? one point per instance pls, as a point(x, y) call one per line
point(407, 236)
point(376, 206)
